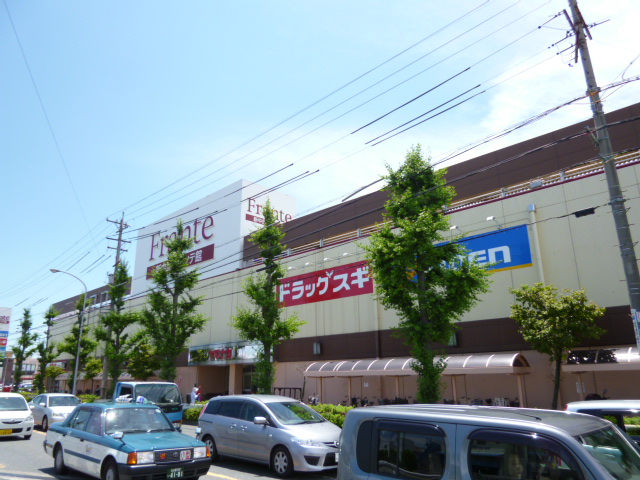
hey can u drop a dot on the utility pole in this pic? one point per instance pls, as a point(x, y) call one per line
point(616, 198)
point(105, 370)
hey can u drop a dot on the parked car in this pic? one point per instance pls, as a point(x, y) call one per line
point(15, 417)
point(115, 441)
point(50, 408)
point(477, 443)
point(278, 431)
point(623, 413)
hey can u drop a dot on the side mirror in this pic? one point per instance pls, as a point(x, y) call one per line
point(260, 421)
point(198, 430)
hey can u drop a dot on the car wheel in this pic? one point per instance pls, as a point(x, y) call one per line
point(208, 439)
point(281, 462)
point(58, 461)
point(45, 424)
point(110, 471)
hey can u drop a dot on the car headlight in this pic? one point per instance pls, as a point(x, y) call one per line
point(305, 442)
point(29, 418)
point(58, 415)
point(139, 458)
point(201, 452)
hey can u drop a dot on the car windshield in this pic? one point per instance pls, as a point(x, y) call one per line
point(136, 420)
point(291, 413)
point(611, 449)
point(63, 401)
point(159, 393)
point(13, 403)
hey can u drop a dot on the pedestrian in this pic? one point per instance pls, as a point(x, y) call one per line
point(194, 393)
point(199, 394)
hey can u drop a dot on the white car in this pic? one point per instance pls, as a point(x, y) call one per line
point(50, 408)
point(623, 413)
point(16, 419)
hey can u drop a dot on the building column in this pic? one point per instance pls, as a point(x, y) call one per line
point(235, 378)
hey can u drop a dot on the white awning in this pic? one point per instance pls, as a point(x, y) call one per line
point(603, 360)
point(495, 363)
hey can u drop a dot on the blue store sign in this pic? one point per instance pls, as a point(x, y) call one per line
point(509, 248)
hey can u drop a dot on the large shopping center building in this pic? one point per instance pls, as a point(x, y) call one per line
point(528, 206)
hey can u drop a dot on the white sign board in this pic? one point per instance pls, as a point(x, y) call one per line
point(218, 224)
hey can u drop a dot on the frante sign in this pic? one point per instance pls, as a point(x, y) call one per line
point(217, 224)
point(200, 230)
point(254, 213)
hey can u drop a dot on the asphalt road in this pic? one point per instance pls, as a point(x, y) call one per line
point(26, 459)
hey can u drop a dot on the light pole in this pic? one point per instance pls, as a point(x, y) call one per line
point(84, 305)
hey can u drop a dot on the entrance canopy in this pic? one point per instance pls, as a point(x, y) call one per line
point(514, 363)
point(606, 359)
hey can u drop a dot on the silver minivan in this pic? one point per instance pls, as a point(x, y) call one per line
point(281, 432)
point(478, 443)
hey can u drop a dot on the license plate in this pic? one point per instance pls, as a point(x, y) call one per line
point(337, 456)
point(6, 432)
point(175, 473)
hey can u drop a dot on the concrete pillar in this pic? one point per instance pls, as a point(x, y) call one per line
point(235, 378)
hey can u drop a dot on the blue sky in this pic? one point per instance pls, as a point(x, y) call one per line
point(143, 107)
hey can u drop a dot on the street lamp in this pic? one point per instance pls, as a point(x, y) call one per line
point(84, 305)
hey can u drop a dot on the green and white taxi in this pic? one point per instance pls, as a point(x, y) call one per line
point(121, 441)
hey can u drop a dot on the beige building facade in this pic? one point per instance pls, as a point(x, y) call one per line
point(548, 217)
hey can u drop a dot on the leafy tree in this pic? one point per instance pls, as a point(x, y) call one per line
point(69, 343)
point(143, 361)
point(91, 369)
point(52, 371)
point(171, 316)
point(118, 345)
point(24, 349)
point(554, 324)
point(46, 351)
point(263, 323)
point(430, 286)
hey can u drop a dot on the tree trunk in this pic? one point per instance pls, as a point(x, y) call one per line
point(556, 384)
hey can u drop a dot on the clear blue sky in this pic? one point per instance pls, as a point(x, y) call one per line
point(105, 105)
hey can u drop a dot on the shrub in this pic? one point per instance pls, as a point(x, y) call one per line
point(192, 413)
point(334, 413)
point(88, 398)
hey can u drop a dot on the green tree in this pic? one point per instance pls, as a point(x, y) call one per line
point(46, 351)
point(429, 286)
point(554, 324)
point(143, 361)
point(69, 343)
point(118, 345)
point(263, 322)
point(52, 371)
point(171, 317)
point(92, 368)
point(25, 347)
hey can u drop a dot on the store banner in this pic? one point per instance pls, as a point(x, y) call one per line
point(329, 284)
point(5, 320)
point(508, 248)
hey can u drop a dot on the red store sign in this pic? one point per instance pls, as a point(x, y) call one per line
point(329, 284)
point(194, 257)
point(221, 354)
